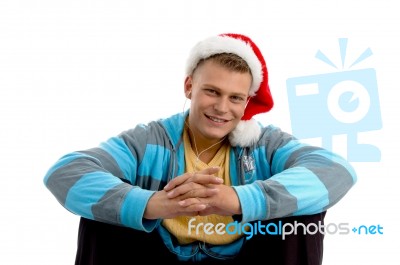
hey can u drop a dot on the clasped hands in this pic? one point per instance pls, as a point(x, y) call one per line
point(192, 194)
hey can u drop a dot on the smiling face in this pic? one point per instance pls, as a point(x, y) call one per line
point(218, 100)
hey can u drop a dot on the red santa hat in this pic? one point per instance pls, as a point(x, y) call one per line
point(247, 132)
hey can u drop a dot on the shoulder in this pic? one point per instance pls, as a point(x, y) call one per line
point(161, 130)
point(273, 133)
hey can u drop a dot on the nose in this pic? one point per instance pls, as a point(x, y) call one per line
point(221, 105)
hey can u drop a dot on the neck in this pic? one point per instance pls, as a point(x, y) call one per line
point(204, 149)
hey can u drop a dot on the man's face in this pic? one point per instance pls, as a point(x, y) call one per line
point(218, 100)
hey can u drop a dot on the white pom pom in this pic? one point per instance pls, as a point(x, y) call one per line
point(245, 134)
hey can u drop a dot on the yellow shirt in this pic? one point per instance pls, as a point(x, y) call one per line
point(179, 226)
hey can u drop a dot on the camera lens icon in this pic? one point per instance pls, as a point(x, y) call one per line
point(348, 101)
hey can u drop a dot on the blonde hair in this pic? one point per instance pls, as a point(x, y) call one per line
point(229, 61)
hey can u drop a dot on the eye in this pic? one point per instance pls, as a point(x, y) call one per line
point(210, 91)
point(237, 99)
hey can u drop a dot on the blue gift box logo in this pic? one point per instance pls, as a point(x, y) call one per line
point(344, 102)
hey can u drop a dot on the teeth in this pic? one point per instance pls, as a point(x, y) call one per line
point(216, 120)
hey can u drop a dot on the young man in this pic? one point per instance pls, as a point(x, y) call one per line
point(210, 185)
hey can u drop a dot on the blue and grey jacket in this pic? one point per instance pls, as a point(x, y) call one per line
point(279, 176)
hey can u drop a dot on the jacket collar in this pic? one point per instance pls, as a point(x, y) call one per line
point(174, 126)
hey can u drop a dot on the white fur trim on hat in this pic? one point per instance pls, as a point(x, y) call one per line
point(245, 134)
point(225, 44)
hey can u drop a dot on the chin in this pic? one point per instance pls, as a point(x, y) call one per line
point(217, 135)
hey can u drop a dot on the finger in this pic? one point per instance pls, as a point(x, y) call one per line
point(199, 193)
point(192, 190)
point(205, 176)
point(182, 189)
point(189, 202)
point(177, 181)
point(194, 209)
point(205, 179)
point(209, 171)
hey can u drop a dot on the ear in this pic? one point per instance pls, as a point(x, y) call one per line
point(188, 87)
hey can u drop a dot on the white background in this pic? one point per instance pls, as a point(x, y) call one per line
point(73, 73)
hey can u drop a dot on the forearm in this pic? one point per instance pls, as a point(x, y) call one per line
point(311, 181)
point(295, 179)
point(84, 187)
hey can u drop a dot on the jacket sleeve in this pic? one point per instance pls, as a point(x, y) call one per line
point(296, 179)
point(99, 183)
